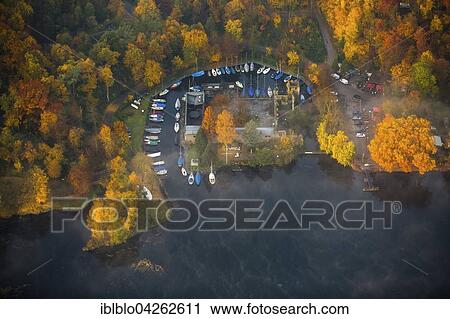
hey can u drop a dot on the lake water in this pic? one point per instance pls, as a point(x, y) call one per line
point(308, 263)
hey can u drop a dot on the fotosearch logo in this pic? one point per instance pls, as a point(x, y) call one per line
point(178, 215)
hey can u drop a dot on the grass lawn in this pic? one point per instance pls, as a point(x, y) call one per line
point(135, 120)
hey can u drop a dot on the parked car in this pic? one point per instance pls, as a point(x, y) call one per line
point(335, 76)
point(357, 118)
point(360, 135)
point(334, 93)
point(357, 97)
point(344, 81)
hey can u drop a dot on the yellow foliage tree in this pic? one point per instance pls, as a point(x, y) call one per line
point(53, 157)
point(208, 121)
point(234, 27)
point(75, 135)
point(313, 73)
point(48, 120)
point(153, 73)
point(35, 192)
point(404, 143)
point(105, 137)
point(106, 76)
point(293, 58)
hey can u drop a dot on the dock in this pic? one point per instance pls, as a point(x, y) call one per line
point(368, 182)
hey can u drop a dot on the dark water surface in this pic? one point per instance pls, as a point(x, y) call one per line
point(313, 263)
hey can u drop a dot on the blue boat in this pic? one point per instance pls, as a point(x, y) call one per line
point(233, 71)
point(251, 91)
point(309, 90)
point(223, 71)
point(227, 70)
point(198, 74)
point(257, 92)
point(198, 178)
point(180, 162)
point(161, 104)
point(279, 75)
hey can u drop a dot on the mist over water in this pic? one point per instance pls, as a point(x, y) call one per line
point(293, 264)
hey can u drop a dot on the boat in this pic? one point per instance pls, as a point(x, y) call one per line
point(260, 70)
point(154, 155)
point(157, 119)
point(175, 85)
point(238, 68)
point(246, 67)
point(211, 176)
point(159, 163)
point(213, 72)
point(198, 74)
point(252, 67)
point(134, 106)
point(198, 178)
point(159, 100)
point(308, 90)
point(152, 138)
point(222, 69)
point(163, 104)
point(157, 108)
point(180, 161)
point(176, 127)
point(233, 71)
point(269, 92)
point(257, 91)
point(158, 168)
point(164, 92)
point(251, 91)
point(191, 178)
point(183, 171)
point(151, 143)
point(266, 70)
point(218, 72)
point(287, 79)
point(239, 85)
point(153, 130)
point(137, 102)
point(209, 73)
point(162, 172)
point(177, 104)
point(227, 70)
point(302, 98)
point(177, 116)
point(278, 75)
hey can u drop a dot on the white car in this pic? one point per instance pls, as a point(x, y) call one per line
point(333, 93)
point(360, 135)
point(335, 76)
point(344, 81)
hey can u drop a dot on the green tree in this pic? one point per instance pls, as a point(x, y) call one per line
point(251, 137)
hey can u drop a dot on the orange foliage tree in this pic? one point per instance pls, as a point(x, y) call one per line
point(404, 143)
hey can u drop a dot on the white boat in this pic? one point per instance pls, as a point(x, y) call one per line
point(212, 177)
point(246, 67)
point(191, 178)
point(176, 127)
point(159, 100)
point(177, 104)
point(269, 92)
point(239, 85)
point(214, 72)
point(134, 106)
point(164, 92)
point(137, 102)
point(152, 138)
point(153, 130)
point(287, 79)
point(252, 66)
point(159, 163)
point(154, 155)
point(177, 116)
point(183, 171)
point(209, 73)
point(157, 108)
point(260, 70)
point(147, 193)
point(267, 70)
point(161, 172)
point(218, 72)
